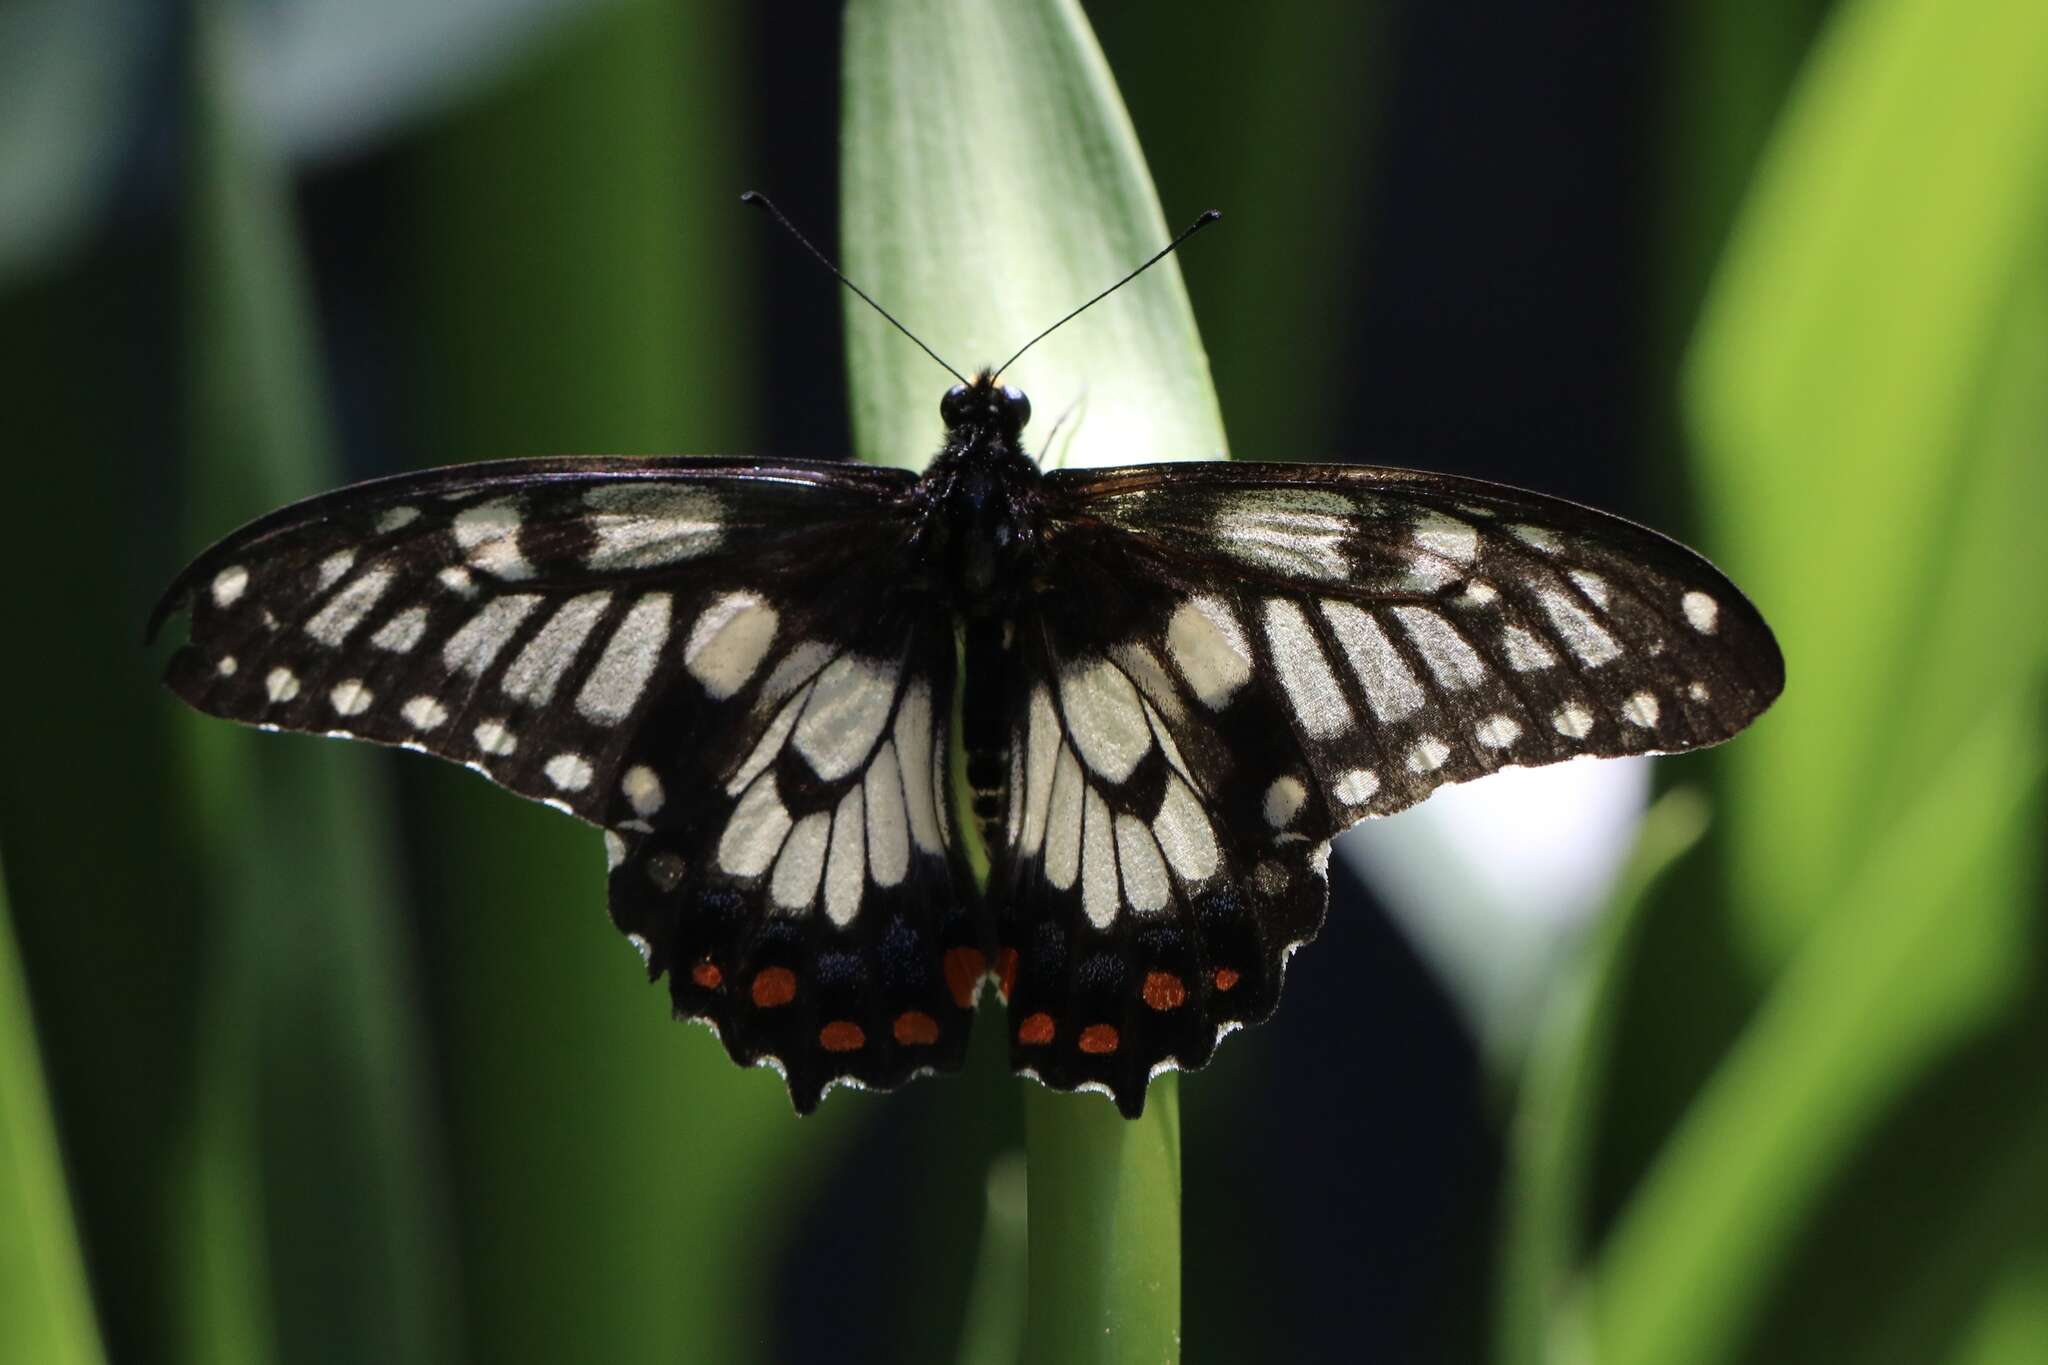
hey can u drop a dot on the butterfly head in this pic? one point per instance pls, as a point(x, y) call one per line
point(1001, 409)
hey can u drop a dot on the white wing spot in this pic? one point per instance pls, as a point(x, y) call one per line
point(1497, 731)
point(472, 647)
point(334, 566)
point(1698, 691)
point(1641, 709)
point(1284, 800)
point(282, 684)
point(227, 666)
point(1428, 754)
point(767, 747)
point(350, 697)
point(614, 851)
point(1289, 530)
point(1105, 720)
point(641, 786)
point(1208, 644)
point(847, 710)
point(396, 518)
point(537, 669)
point(489, 537)
point(456, 579)
point(642, 525)
point(1063, 821)
point(614, 686)
point(1591, 584)
point(333, 623)
point(229, 585)
point(402, 632)
point(1593, 645)
point(1041, 750)
point(495, 737)
point(570, 772)
point(1478, 593)
point(1540, 537)
point(1098, 862)
point(797, 667)
point(1702, 612)
point(423, 713)
point(1304, 670)
point(802, 862)
point(846, 864)
point(888, 823)
point(1144, 872)
point(1390, 686)
point(728, 641)
point(1572, 720)
point(1447, 537)
point(1143, 667)
point(914, 751)
point(1427, 573)
point(1182, 828)
point(1356, 787)
point(1453, 662)
point(753, 833)
point(1525, 652)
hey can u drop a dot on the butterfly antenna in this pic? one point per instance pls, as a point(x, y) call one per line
point(762, 202)
point(1207, 218)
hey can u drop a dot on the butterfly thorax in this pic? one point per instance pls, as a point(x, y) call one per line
point(980, 497)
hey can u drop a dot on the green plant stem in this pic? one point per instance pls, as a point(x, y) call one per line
point(1105, 1228)
point(46, 1310)
point(991, 181)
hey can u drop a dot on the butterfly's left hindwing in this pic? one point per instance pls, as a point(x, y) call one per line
point(1220, 667)
point(728, 665)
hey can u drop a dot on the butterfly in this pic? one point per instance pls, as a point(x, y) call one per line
point(1173, 685)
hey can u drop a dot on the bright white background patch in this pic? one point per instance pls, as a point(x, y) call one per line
point(1493, 880)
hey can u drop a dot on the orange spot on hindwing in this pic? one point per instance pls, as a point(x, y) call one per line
point(1099, 1040)
point(707, 975)
point(1006, 971)
point(1165, 991)
point(842, 1035)
point(1226, 977)
point(1036, 1030)
point(774, 986)
point(915, 1028)
point(965, 967)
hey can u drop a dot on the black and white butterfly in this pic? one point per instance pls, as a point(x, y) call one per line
point(1175, 684)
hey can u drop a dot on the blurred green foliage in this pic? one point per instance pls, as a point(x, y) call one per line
point(375, 1079)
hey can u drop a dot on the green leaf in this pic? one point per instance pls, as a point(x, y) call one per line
point(1105, 1228)
point(1563, 1083)
point(309, 1210)
point(68, 86)
point(625, 1189)
point(1924, 949)
point(1835, 389)
point(994, 1330)
point(1866, 393)
point(46, 1309)
point(991, 182)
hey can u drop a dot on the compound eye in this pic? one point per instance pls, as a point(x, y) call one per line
point(1020, 406)
point(953, 407)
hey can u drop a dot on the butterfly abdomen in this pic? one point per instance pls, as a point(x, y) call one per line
point(985, 726)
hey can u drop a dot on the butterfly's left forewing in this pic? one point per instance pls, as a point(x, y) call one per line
point(1223, 666)
point(726, 664)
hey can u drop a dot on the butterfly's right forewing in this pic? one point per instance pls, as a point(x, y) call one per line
point(730, 666)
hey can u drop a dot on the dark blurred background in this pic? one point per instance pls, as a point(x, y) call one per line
point(343, 1060)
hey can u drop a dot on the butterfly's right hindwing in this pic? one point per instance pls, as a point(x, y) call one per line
point(731, 667)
